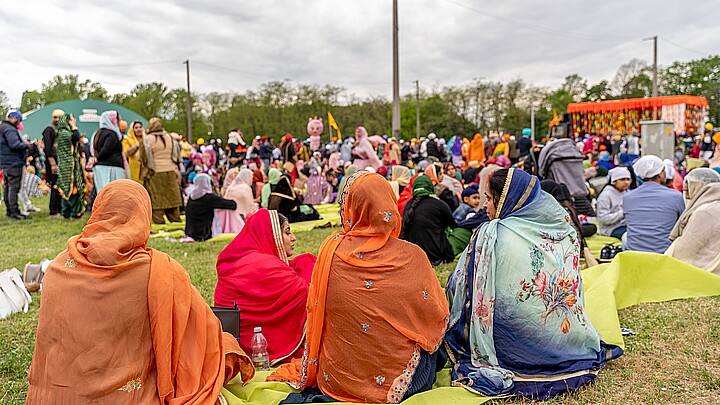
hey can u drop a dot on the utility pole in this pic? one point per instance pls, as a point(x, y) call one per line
point(655, 71)
point(189, 102)
point(417, 108)
point(655, 74)
point(396, 77)
point(532, 115)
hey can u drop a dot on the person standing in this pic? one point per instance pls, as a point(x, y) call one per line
point(49, 137)
point(652, 209)
point(131, 147)
point(12, 162)
point(160, 156)
point(265, 153)
point(108, 151)
point(71, 178)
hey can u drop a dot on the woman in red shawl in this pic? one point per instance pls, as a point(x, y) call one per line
point(271, 292)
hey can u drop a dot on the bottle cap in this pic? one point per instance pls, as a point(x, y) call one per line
point(258, 329)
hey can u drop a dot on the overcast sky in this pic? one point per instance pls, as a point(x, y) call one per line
point(236, 46)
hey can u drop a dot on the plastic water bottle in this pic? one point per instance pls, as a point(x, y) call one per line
point(259, 344)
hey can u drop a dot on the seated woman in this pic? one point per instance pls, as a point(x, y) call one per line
point(694, 237)
point(273, 179)
point(118, 318)
point(399, 179)
point(451, 180)
point(284, 200)
point(517, 324)
point(435, 173)
point(425, 220)
point(271, 291)
point(238, 189)
point(201, 206)
point(376, 312)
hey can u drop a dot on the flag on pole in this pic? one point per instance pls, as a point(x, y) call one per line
point(331, 121)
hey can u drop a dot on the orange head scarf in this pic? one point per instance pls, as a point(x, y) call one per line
point(477, 149)
point(128, 313)
point(368, 248)
point(434, 172)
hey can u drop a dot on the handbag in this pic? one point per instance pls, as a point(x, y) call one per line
point(229, 319)
point(33, 275)
point(13, 295)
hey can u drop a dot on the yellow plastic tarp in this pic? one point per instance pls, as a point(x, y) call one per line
point(635, 277)
point(330, 214)
point(257, 391)
point(596, 242)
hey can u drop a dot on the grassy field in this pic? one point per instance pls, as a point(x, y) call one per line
point(675, 357)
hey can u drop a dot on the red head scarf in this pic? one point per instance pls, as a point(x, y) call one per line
point(254, 272)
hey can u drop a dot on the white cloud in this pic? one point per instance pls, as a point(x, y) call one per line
point(346, 43)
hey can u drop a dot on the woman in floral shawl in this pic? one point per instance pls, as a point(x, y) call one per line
point(517, 320)
point(71, 178)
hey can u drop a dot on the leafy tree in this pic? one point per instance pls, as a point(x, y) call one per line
point(31, 100)
point(630, 80)
point(699, 77)
point(598, 92)
point(147, 99)
point(4, 104)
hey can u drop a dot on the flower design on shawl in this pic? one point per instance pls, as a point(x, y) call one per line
point(558, 292)
point(484, 310)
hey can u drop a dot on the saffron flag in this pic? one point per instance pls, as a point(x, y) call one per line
point(331, 121)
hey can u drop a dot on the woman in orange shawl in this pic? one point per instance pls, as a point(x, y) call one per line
point(121, 323)
point(376, 311)
point(477, 149)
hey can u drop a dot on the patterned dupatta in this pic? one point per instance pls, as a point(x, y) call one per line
point(71, 178)
point(517, 300)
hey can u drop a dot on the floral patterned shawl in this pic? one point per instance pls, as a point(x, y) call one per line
point(526, 331)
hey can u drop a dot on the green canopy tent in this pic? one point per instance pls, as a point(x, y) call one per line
point(86, 112)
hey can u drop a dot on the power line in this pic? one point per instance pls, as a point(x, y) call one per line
point(113, 65)
point(685, 48)
point(544, 30)
point(245, 72)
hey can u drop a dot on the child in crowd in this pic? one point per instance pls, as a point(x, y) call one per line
point(470, 203)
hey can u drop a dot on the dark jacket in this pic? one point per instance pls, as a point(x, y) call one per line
point(266, 151)
point(432, 149)
point(199, 215)
point(12, 146)
point(49, 136)
point(108, 148)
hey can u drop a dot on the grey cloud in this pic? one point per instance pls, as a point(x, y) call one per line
point(346, 43)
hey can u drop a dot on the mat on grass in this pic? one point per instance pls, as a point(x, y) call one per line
point(637, 277)
point(257, 391)
point(330, 214)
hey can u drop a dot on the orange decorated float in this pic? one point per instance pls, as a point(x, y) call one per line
point(687, 113)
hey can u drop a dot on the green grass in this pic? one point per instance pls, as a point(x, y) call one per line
point(675, 357)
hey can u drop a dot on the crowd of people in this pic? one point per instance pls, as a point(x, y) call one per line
point(365, 320)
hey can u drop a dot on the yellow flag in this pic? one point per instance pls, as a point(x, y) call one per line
point(331, 121)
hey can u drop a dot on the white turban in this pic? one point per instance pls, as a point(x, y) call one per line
point(669, 168)
point(648, 166)
point(431, 135)
point(619, 173)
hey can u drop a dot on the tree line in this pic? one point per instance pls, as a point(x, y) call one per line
point(279, 107)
